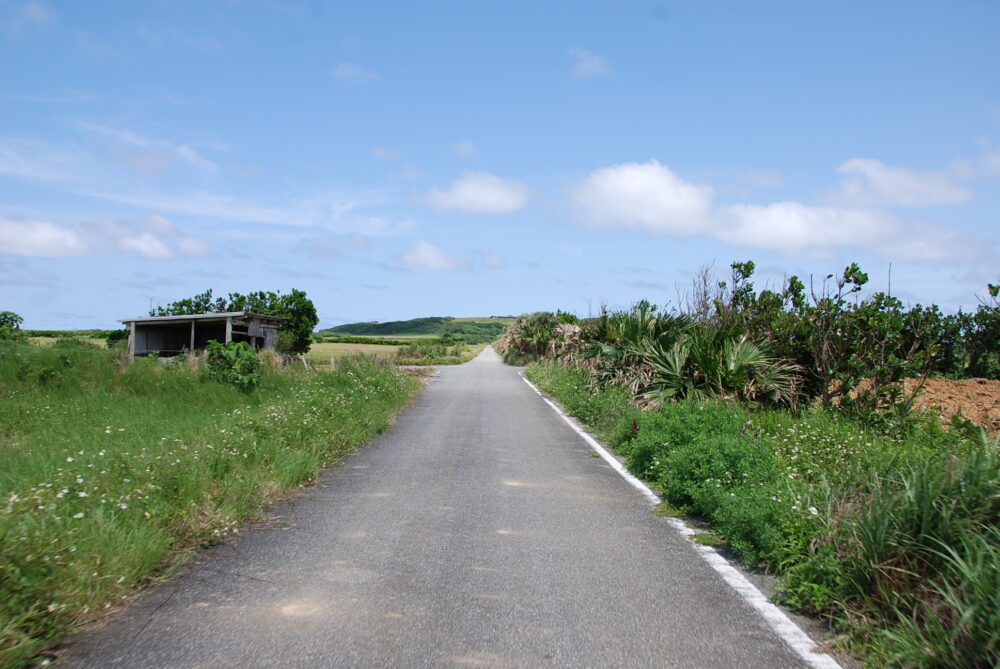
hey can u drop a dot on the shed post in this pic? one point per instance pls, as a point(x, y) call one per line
point(191, 348)
point(229, 329)
point(131, 339)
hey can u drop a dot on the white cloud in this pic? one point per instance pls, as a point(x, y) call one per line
point(587, 64)
point(352, 73)
point(152, 237)
point(146, 155)
point(145, 244)
point(427, 256)
point(38, 159)
point(649, 196)
point(38, 239)
point(642, 195)
point(465, 148)
point(793, 227)
point(479, 193)
point(985, 165)
point(871, 183)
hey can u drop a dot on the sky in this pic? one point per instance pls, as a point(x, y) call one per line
point(406, 159)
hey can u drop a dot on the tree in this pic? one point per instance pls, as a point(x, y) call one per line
point(10, 326)
point(294, 336)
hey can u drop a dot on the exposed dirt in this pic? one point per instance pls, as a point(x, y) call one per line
point(975, 399)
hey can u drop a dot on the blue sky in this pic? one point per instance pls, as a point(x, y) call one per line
point(397, 160)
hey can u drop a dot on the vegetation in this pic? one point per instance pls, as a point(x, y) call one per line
point(359, 339)
point(435, 352)
point(111, 472)
point(234, 363)
point(294, 336)
point(10, 326)
point(468, 330)
point(893, 540)
point(782, 418)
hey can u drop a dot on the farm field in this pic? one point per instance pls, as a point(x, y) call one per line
point(340, 349)
point(47, 342)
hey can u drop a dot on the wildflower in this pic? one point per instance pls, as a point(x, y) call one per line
point(78, 516)
point(813, 511)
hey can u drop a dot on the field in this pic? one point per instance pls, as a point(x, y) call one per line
point(326, 350)
point(50, 341)
point(112, 473)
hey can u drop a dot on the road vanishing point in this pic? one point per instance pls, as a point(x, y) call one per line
point(477, 532)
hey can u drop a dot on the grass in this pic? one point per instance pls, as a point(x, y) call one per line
point(437, 353)
point(47, 342)
point(892, 538)
point(340, 349)
point(110, 473)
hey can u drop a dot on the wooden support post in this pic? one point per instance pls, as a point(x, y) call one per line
point(192, 335)
point(131, 340)
point(229, 329)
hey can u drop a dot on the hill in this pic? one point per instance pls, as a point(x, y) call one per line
point(473, 330)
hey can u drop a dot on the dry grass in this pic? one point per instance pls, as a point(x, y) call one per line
point(47, 342)
point(338, 349)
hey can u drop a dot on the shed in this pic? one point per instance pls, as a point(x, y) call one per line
point(172, 335)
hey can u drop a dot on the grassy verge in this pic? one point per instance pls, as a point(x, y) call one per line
point(895, 540)
point(109, 473)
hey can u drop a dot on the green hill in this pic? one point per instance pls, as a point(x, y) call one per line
point(473, 330)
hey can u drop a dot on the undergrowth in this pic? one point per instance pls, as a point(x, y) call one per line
point(111, 472)
point(894, 539)
point(435, 352)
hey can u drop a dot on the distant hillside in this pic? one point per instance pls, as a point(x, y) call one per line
point(475, 330)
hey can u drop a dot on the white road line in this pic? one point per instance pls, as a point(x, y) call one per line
point(773, 616)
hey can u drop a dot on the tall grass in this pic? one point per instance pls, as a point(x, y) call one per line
point(895, 540)
point(110, 472)
point(435, 352)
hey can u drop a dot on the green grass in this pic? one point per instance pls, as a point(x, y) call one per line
point(110, 474)
point(893, 539)
point(436, 353)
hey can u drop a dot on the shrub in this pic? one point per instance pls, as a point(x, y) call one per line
point(234, 363)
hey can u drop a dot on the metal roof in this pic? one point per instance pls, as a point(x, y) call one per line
point(218, 316)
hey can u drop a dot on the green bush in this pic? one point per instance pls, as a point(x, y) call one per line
point(235, 363)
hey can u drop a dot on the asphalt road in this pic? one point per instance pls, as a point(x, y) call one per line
point(477, 532)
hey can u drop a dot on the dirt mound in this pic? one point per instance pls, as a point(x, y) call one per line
point(975, 399)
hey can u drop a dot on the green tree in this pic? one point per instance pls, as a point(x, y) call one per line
point(10, 326)
point(294, 336)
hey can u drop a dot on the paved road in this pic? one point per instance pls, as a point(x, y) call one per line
point(478, 532)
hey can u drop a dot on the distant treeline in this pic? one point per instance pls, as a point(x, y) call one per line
point(472, 331)
point(352, 339)
point(90, 334)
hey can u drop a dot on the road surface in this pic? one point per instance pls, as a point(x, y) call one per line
point(477, 532)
